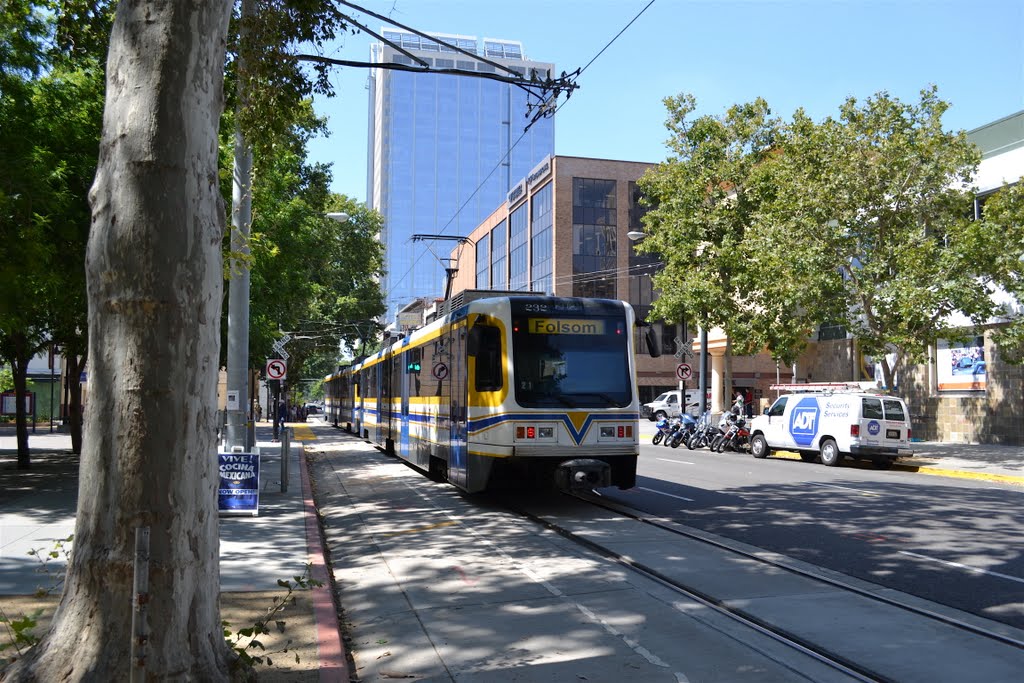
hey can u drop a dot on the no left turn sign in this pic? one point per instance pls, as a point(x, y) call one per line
point(277, 369)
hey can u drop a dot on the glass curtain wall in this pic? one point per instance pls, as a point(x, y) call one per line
point(499, 256)
point(593, 238)
point(542, 242)
point(518, 230)
point(446, 150)
point(483, 262)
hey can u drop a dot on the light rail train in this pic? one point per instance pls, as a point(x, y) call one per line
point(504, 392)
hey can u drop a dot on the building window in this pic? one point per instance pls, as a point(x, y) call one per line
point(499, 256)
point(827, 332)
point(483, 263)
point(518, 230)
point(594, 247)
point(542, 242)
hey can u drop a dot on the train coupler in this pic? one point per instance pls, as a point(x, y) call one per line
point(583, 474)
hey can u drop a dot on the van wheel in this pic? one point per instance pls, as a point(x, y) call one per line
point(660, 415)
point(830, 455)
point(759, 447)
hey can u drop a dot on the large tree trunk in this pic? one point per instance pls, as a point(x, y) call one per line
point(154, 284)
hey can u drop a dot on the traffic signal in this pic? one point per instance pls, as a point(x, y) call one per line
point(414, 366)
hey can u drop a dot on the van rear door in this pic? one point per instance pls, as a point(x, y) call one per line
point(897, 423)
point(884, 423)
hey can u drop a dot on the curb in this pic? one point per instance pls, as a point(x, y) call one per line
point(331, 652)
point(925, 469)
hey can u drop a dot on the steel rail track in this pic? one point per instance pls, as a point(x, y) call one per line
point(793, 641)
point(673, 527)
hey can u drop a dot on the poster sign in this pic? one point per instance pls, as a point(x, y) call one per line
point(961, 366)
point(239, 489)
point(9, 402)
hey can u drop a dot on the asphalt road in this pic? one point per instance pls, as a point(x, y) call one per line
point(955, 542)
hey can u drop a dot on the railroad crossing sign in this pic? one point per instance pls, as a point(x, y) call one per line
point(682, 348)
point(279, 346)
point(277, 368)
point(683, 371)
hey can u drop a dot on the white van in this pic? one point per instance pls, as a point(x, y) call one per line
point(833, 420)
point(668, 405)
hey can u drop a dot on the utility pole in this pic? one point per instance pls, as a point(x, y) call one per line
point(238, 285)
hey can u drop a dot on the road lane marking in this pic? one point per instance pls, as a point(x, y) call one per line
point(963, 566)
point(662, 493)
point(678, 462)
point(847, 488)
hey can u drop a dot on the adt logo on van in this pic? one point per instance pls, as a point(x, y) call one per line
point(803, 421)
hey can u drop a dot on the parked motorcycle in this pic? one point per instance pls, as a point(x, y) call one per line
point(663, 427)
point(702, 433)
point(674, 425)
point(685, 430)
point(736, 435)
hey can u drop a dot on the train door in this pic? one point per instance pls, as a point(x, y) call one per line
point(458, 412)
point(407, 366)
point(384, 404)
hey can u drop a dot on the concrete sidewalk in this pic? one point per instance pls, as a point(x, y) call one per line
point(37, 509)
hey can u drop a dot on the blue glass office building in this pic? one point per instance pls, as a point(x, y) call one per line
point(444, 150)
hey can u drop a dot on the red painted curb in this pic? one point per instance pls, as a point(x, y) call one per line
point(333, 663)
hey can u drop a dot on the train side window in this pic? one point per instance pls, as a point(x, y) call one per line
point(488, 358)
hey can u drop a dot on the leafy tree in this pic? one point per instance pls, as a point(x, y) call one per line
point(1004, 214)
point(26, 189)
point(154, 274)
point(309, 273)
point(705, 200)
point(49, 132)
point(863, 220)
point(875, 206)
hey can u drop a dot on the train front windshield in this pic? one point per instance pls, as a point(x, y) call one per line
point(571, 362)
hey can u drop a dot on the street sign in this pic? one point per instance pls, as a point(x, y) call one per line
point(277, 368)
point(440, 371)
point(284, 340)
point(284, 354)
point(683, 371)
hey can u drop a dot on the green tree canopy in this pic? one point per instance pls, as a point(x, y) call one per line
point(864, 220)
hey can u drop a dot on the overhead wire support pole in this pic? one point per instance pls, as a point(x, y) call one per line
point(239, 283)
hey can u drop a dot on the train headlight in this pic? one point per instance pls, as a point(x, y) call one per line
point(528, 432)
point(615, 432)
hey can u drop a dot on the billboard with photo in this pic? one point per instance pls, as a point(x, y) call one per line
point(961, 366)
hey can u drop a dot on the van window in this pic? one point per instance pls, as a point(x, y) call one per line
point(872, 409)
point(673, 399)
point(663, 397)
point(894, 411)
point(778, 407)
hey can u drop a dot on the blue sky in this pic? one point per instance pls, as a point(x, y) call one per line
point(794, 53)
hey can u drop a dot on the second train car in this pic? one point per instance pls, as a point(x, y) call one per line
point(504, 391)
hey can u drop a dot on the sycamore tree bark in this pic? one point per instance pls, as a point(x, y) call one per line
point(154, 277)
